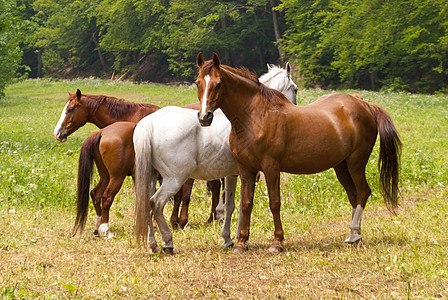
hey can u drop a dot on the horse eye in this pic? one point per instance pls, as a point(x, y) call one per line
point(71, 109)
point(218, 85)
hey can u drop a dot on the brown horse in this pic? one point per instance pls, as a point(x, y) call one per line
point(272, 135)
point(104, 111)
point(114, 158)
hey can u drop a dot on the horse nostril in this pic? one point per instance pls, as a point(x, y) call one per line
point(209, 117)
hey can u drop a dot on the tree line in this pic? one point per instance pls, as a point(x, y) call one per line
point(368, 44)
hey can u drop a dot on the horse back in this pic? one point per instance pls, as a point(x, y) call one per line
point(311, 138)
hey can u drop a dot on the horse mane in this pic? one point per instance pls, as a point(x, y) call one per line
point(273, 96)
point(243, 72)
point(118, 108)
point(273, 72)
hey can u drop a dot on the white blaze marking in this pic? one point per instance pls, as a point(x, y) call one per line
point(204, 96)
point(61, 119)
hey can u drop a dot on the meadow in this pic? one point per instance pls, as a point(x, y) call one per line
point(402, 256)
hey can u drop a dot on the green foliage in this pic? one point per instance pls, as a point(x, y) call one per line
point(66, 36)
point(72, 38)
point(394, 44)
point(10, 53)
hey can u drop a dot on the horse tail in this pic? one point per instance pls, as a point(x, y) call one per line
point(143, 181)
point(390, 154)
point(85, 170)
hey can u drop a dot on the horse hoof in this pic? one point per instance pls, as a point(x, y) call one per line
point(227, 245)
point(275, 249)
point(168, 250)
point(96, 233)
point(238, 249)
point(353, 240)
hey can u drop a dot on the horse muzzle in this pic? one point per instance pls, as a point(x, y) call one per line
point(61, 136)
point(206, 119)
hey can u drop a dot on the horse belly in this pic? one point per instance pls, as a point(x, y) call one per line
point(315, 165)
point(215, 164)
point(317, 156)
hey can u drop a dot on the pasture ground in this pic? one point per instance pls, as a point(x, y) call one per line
point(403, 256)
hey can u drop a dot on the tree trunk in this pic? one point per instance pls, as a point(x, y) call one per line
point(95, 41)
point(227, 57)
point(276, 30)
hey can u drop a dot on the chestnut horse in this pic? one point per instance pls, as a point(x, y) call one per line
point(104, 111)
point(270, 134)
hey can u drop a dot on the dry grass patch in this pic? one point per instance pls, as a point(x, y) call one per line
point(401, 256)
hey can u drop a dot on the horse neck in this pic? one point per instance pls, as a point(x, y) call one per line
point(101, 117)
point(240, 99)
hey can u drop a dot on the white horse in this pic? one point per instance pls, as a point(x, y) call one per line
point(171, 142)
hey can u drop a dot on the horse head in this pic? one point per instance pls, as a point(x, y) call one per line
point(73, 116)
point(280, 79)
point(209, 88)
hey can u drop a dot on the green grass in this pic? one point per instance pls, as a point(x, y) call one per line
point(401, 256)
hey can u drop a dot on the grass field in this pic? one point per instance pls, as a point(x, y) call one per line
point(403, 256)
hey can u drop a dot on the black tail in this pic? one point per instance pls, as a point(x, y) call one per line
point(85, 169)
point(390, 153)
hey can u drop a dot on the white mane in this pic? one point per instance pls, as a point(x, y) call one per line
point(279, 79)
point(273, 72)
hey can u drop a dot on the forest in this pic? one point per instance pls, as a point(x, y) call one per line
point(365, 44)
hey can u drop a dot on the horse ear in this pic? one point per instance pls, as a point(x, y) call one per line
point(200, 60)
point(288, 69)
point(78, 94)
point(216, 61)
point(269, 66)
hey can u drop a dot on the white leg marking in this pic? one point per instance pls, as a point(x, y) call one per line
point(355, 226)
point(204, 96)
point(103, 230)
point(61, 119)
point(97, 222)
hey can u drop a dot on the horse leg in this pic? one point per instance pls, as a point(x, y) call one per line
point(174, 219)
point(272, 177)
point(215, 188)
point(220, 208)
point(98, 191)
point(108, 197)
point(169, 187)
point(186, 194)
point(247, 198)
point(357, 174)
point(230, 187)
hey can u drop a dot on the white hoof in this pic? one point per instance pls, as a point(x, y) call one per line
point(227, 244)
point(353, 238)
point(104, 231)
